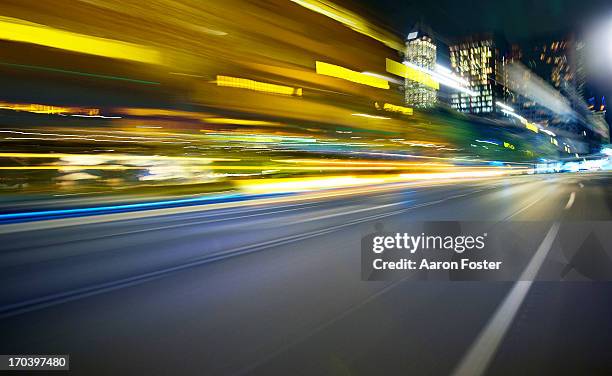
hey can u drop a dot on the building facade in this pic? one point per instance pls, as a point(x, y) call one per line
point(421, 52)
point(559, 61)
point(478, 61)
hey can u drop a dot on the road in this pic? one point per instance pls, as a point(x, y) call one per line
point(275, 288)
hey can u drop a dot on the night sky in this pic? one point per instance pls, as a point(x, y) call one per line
point(518, 20)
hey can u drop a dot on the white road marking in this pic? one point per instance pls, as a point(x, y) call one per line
point(480, 354)
point(524, 208)
point(570, 202)
point(369, 208)
point(581, 185)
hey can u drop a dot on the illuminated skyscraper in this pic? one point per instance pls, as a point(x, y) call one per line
point(477, 61)
point(561, 63)
point(554, 61)
point(420, 51)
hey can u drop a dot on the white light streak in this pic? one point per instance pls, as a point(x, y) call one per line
point(386, 78)
point(504, 106)
point(371, 116)
point(548, 132)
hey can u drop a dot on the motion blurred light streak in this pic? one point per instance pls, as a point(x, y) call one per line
point(113, 157)
point(16, 30)
point(504, 106)
point(353, 21)
point(70, 168)
point(304, 184)
point(327, 119)
point(522, 81)
point(48, 109)
point(487, 142)
point(548, 132)
point(395, 108)
point(444, 76)
point(240, 122)
point(159, 112)
point(70, 136)
point(84, 74)
point(104, 209)
point(364, 162)
point(457, 174)
point(410, 73)
point(317, 183)
point(69, 139)
point(305, 168)
point(532, 127)
point(386, 78)
point(332, 70)
point(96, 116)
point(372, 116)
point(211, 167)
point(243, 83)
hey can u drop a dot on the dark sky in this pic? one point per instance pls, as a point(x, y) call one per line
point(518, 20)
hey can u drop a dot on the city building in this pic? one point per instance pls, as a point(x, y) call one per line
point(560, 62)
point(553, 61)
point(421, 52)
point(478, 61)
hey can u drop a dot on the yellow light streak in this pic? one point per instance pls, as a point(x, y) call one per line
point(402, 70)
point(532, 127)
point(87, 167)
point(257, 168)
point(240, 122)
point(304, 184)
point(353, 21)
point(337, 71)
point(243, 83)
point(159, 112)
point(305, 168)
point(113, 157)
point(395, 108)
point(26, 32)
point(318, 183)
point(369, 163)
point(47, 109)
point(458, 174)
point(241, 138)
point(399, 165)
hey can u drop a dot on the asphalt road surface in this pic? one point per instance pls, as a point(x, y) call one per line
point(275, 288)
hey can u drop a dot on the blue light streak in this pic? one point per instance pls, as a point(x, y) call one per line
point(64, 213)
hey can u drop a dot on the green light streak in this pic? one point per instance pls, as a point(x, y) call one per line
point(85, 74)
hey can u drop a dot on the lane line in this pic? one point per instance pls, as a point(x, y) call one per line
point(370, 208)
point(477, 359)
point(529, 205)
point(570, 202)
point(4, 253)
point(524, 208)
point(250, 368)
